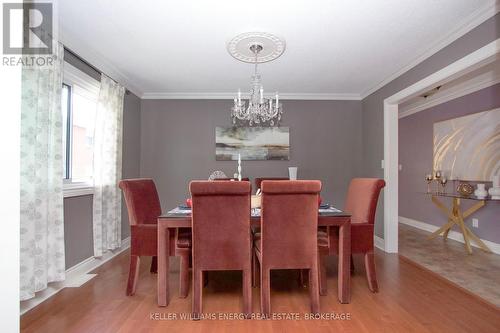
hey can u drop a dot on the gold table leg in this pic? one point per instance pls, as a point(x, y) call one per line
point(455, 213)
point(456, 216)
point(456, 203)
point(445, 228)
point(478, 241)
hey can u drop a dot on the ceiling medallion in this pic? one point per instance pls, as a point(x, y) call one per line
point(256, 47)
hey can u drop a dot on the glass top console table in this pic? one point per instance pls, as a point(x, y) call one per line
point(456, 216)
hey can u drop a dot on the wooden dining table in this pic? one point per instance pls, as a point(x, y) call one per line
point(168, 223)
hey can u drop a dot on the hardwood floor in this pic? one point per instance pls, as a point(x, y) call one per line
point(478, 273)
point(410, 300)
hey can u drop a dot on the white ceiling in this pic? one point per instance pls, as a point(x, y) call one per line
point(334, 49)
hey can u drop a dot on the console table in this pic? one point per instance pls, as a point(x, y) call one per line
point(456, 216)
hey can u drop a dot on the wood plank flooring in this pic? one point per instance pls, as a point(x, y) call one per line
point(410, 300)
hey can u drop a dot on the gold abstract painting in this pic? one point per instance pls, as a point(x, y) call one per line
point(468, 147)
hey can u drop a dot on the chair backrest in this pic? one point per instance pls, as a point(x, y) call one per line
point(141, 198)
point(231, 179)
point(258, 181)
point(289, 222)
point(362, 198)
point(221, 224)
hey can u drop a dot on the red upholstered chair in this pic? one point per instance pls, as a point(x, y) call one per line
point(288, 238)
point(221, 234)
point(144, 207)
point(259, 180)
point(361, 203)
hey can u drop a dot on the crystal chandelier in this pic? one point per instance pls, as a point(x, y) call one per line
point(260, 110)
point(254, 48)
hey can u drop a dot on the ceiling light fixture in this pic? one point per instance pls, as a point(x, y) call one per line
point(256, 47)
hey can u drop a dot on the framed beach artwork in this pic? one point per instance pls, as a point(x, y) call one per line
point(253, 143)
point(468, 147)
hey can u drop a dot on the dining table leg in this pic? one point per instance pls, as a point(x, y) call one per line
point(163, 264)
point(344, 269)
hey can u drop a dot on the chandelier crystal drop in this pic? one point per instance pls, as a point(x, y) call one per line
point(258, 111)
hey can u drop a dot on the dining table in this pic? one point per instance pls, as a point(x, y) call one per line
point(169, 222)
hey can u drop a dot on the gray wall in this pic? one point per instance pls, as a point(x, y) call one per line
point(78, 210)
point(131, 148)
point(178, 145)
point(415, 155)
point(78, 229)
point(373, 110)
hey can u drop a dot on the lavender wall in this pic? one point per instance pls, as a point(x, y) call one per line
point(373, 105)
point(178, 145)
point(415, 155)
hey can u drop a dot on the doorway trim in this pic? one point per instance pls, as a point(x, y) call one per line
point(470, 62)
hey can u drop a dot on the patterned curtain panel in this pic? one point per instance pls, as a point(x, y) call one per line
point(42, 228)
point(108, 167)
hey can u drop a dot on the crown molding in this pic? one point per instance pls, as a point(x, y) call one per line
point(478, 83)
point(230, 96)
point(96, 59)
point(472, 21)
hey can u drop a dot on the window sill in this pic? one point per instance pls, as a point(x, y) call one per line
point(77, 189)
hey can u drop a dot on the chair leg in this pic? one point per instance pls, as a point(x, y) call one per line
point(255, 270)
point(322, 275)
point(184, 275)
point(205, 279)
point(154, 265)
point(197, 293)
point(370, 271)
point(352, 264)
point(265, 291)
point(303, 277)
point(247, 292)
point(314, 288)
point(133, 275)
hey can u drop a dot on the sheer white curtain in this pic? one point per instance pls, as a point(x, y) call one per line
point(42, 228)
point(108, 167)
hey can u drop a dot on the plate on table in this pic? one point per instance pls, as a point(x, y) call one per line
point(180, 210)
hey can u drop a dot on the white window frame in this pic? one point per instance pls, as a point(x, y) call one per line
point(73, 76)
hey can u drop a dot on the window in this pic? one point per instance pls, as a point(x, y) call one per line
point(78, 104)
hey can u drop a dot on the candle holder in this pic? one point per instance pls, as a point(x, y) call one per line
point(437, 176)
point(429, 178)
point(239, 167)
point(443, 182)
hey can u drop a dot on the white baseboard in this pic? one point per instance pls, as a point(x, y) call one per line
point(379, 242)
point(76, 276)
point(455, 235)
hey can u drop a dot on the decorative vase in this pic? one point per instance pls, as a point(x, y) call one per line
point(495, 189)
point(480, 192)
point(465, 189)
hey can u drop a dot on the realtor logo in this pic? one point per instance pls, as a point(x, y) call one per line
point(35, 37)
